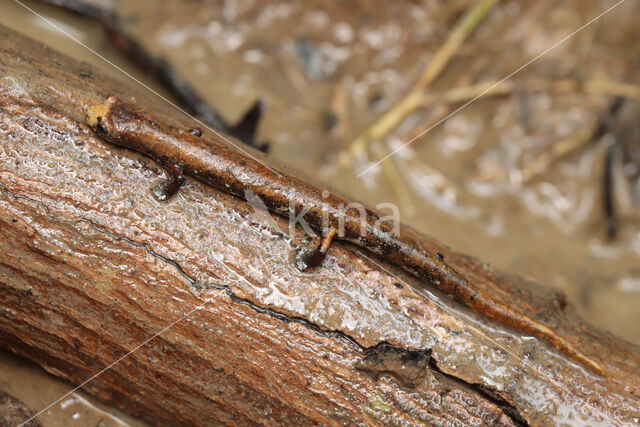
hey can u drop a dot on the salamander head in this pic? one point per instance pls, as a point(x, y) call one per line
point(96, 115)
point(119, 123)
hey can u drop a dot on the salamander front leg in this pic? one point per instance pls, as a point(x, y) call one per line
point(164, 190)
point(310, 258)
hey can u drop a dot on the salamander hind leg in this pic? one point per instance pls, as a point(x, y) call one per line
point(167, 188)
point(308, 258)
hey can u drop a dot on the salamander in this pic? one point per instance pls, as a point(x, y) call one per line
point(214, 162)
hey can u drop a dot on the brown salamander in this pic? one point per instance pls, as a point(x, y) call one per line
point(215, 163)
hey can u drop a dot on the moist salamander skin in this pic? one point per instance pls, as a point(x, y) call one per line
point(214, 162)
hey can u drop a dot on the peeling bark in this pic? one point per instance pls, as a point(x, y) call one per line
point(92, 267)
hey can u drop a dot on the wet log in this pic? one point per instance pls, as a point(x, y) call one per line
point(192, 311)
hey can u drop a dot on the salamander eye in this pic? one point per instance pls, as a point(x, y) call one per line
point(100, 126)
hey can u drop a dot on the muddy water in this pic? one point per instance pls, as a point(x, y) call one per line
point(464, 182)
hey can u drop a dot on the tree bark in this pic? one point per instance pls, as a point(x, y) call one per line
point(192, 311)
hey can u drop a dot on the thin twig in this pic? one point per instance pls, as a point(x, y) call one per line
point(610, 213)
point(396, 181)
point(561, 86)
point(392, 172)
point(558, 150)
point(571, 143)
point(412, 101)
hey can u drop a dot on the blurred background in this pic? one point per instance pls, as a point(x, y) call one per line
point(539, 177)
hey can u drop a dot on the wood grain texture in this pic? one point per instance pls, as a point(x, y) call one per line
point(92, 267)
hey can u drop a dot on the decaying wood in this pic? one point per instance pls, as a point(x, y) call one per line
point(91, 267)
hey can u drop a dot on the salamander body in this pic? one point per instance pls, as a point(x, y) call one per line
point(214, 162)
